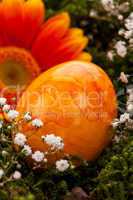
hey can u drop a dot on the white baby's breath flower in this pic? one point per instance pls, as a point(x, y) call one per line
point(18, 166)
point(93, 13)
point(121, 31)
point(120, 17)
point(115, 123)
point(9, 127)
point(55, 142)
point(129, 22)
point(2, 101)
point(27, 149)
point(131, 41)
point(27, 116)
point(20, 139)
point(128, 34)
point(45, 160)
point(116, 139)
point(130, 99)
point(1, 123)
point(62, 165)
point(4, 153)
point(108, 4)
point(6, 108)
point(37, 123)
point(38, 156)
point(123, 78)
point(13, 114)
point(130, 108)
point(17, 175)
point(124, 117)
point(121, 48)
point(110, 55)
point(1, 173)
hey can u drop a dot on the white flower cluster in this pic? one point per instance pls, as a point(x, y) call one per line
point(27, 150)
point(2, 101)
point(37, 123)
point(121, 48)
point(126, 117)
point(16, 175)
point(6, 108)
point(1, 173)
point(12, 114)
point(127, 31)
point(20, 139)
point(130, 101)
point(108, 5)
point(27, 116)
point(123, 77)
point(1, 123)
point(38, 156)
point(55, 142)
point(62, 165)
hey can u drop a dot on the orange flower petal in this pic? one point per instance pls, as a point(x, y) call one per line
point(84, 56)
point(50, 38)
point(34, 13)
point(18, 17)
point(56, 43)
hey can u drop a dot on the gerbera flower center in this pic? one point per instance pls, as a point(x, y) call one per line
point(17, 67)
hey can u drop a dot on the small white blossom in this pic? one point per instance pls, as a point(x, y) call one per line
point(20, 139)
point(121, 31)
point(4, 153)
point(45, 160)
point(37, 123)
point(6, 108)
point(110, 55)
point(1, 173)
point(1, 124)
point(131, 41)
point(19, 166)
point(108, 4)
point(130, 99)
point(93, 13)
point(17, 175)
point(62, 165)
point(115, 123)
point(129, 22)
point(55, 142)
point(124, 117)
point(121, 49)
point(13, 114)
point(27, 149)
point(130, 108)
point(128, 34)
point(123, 78)
point(27, 116)
point(120, 17)
point(116, 139)
point(2, 101)
point(38, 156)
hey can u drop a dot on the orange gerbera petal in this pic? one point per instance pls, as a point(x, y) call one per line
point(34, 13)
point(56, 43)
point(17, 20)
point(84, 56)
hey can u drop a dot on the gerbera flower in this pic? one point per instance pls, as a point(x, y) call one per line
point(29, 45)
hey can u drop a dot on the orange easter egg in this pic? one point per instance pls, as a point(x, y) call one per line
point(76, 101)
